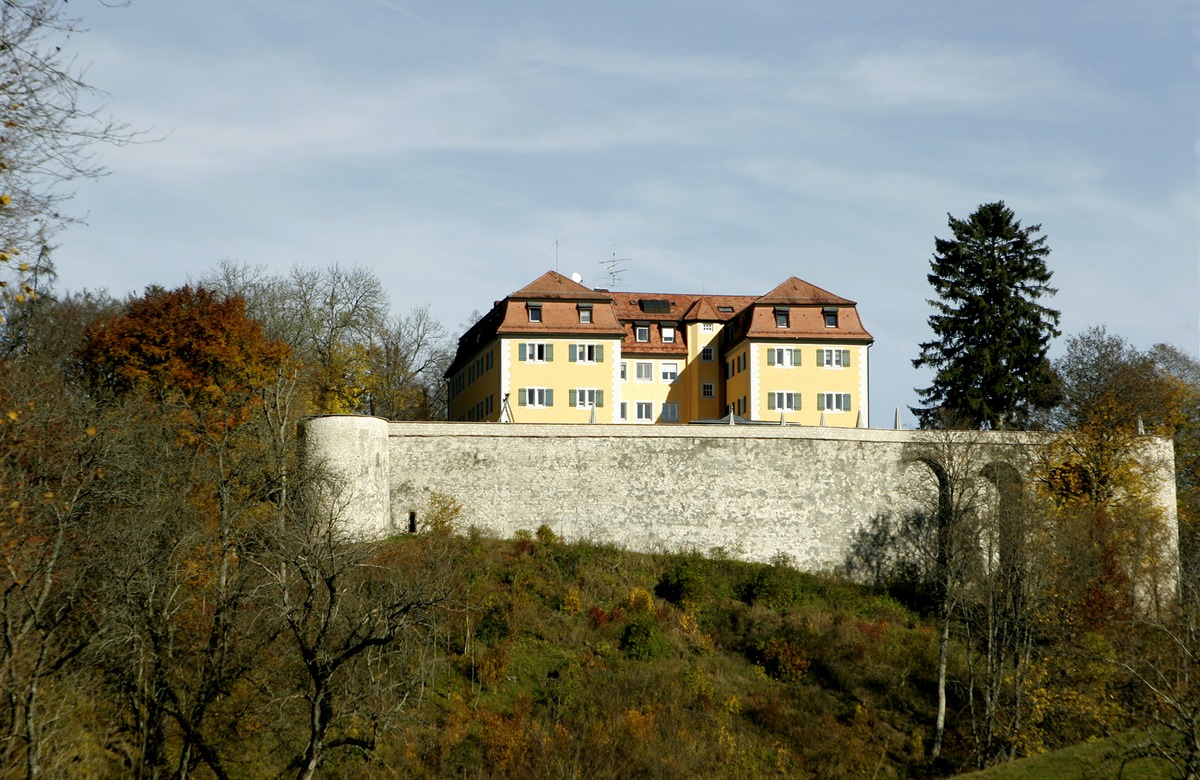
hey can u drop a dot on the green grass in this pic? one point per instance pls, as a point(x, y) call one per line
point(1098, 760)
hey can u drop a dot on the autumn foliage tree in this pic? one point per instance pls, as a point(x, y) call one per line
point(189, 373)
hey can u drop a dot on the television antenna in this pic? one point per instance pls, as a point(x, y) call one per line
point(614, 267)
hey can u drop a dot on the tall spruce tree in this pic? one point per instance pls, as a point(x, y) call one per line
point(990, 332)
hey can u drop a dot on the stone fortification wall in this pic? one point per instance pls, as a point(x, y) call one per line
point(754, 490)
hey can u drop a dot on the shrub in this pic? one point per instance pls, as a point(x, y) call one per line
point(545, 534)
point(494, 622)
point(642, 641)
point(686, 581)
point(639, 600)
point(599, 617)
point(492, 665)
point(442, 513)
point(783, 660)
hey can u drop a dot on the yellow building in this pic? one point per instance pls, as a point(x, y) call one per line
point(556, 351)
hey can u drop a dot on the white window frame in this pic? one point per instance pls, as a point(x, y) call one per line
point(538, 348)
point(670, 372)
point(668, 333)
point(669, 412)
point(834, 403)
point(645, 367)
point(708, 327)
point(644, 411)
point(535, 397)
point(708, 390)
point(782, 357)
point(641, 333)
point(535, 312)
point(833, 358)
point(585, 397)
point(585, 315)
point(624, 371)
point(585, 353)
point(783, 317)
point(783, 401)
point(624, 414)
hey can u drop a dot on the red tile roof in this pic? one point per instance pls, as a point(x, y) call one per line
point(617, 314)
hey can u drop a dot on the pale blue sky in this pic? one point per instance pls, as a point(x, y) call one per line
point(722, 146)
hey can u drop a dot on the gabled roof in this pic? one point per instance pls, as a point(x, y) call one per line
point(799, 292)
point(554, 286)
point(616, 314)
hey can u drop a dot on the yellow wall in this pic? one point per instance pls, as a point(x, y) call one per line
point(737, 386)
point(699, 372)
point(755, 382)
point(655, 391)
point(810, 379)
point(477, 381)
point(560, 375)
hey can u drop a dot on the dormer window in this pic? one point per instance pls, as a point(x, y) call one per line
point(781, 317)
point(585, 314)
point(535, 311)
point(831, 316)
point(641, 332)
point(668, 334)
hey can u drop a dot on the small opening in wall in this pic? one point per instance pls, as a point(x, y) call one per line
point(412, 522)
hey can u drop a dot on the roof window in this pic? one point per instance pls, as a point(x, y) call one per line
point(655, 306)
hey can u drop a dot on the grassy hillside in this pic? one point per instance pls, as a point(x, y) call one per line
point(1091, 760)
point(585, 660)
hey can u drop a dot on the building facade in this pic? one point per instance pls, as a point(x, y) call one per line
point(556, 351)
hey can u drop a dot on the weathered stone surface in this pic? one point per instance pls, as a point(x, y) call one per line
point(753, 490)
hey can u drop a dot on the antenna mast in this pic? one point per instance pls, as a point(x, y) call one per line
point(614, 267)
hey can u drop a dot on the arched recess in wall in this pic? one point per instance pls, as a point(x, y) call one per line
point(1009, 517)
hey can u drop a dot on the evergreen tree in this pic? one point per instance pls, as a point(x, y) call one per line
point(990, 332)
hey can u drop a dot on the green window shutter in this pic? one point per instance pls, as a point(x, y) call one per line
point(571, 355)
point(572, 397)
point(549, 355)
point(770, 402)
point(820, 402)
point(820, 357)
point(770, 358)
point(795, 357)
point(521, 394)
point(846, 358)
point(599, 354)
point(846, 402)
point(599, 398)
point(521, 352)
point(799, 401)
point(549, 392)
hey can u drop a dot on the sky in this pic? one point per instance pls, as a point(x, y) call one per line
point(460, 150)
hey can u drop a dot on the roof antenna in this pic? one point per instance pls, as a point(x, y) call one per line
point(615, 267)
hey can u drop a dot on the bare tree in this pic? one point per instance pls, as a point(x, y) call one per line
point(48, 469)
point(408, 357)
point(356, 618)
point(44, 144)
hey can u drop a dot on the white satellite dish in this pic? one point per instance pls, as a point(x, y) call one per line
point(576, 277)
